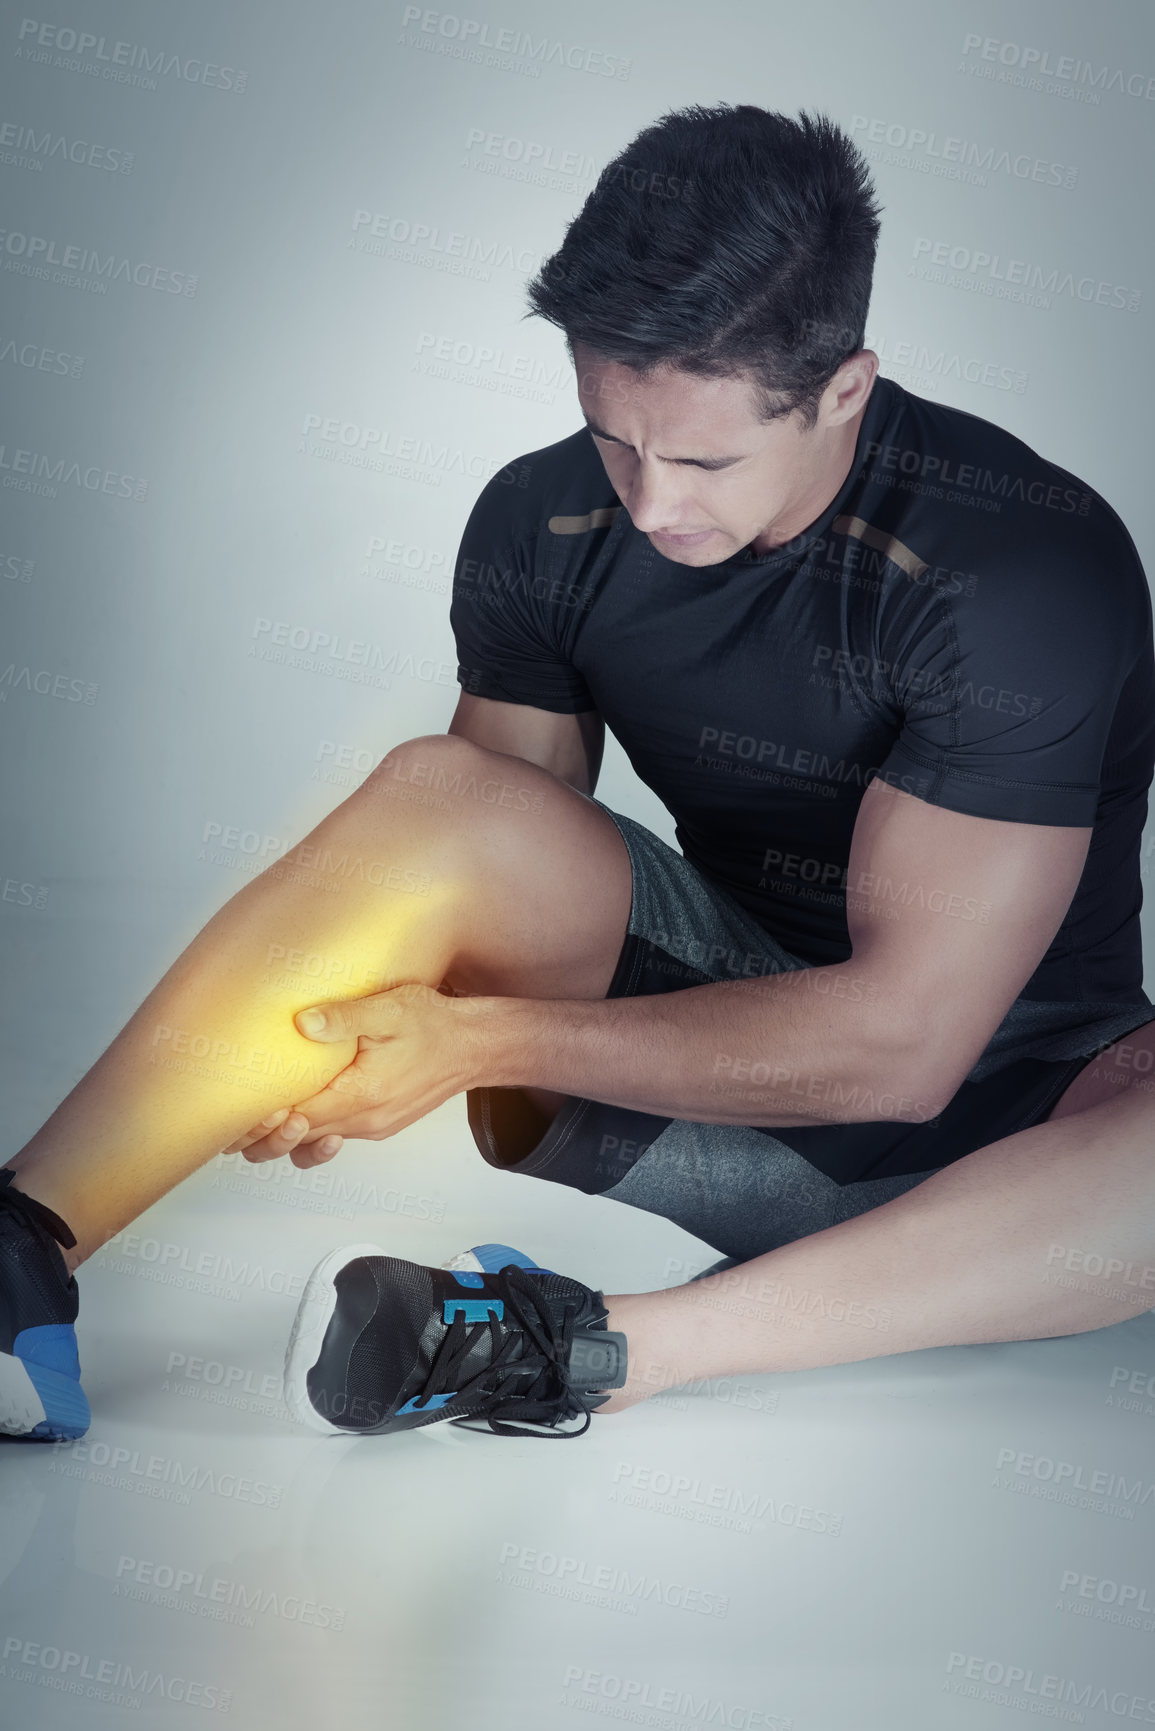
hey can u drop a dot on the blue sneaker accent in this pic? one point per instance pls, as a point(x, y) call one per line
point(50, 1357)
point(495, 1256)
point(468, 1279)
point(53, 1345)
point(472, 1309)
point(66, 1409)
point(419, 1405)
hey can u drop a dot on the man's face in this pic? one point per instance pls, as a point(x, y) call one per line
point(699, 473)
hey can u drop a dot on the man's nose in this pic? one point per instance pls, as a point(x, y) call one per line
point(654, 497)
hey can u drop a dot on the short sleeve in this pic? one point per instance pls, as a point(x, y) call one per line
point(507, 635)
point(1008, 696)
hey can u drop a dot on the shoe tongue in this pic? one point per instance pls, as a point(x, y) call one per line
point(557, 1292)
point(34, 1212)
point(597, 1359)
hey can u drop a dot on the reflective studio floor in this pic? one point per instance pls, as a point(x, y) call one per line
point(945, 1538)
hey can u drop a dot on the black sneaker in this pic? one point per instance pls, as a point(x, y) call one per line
point(381, 1345)
point(40, 1392)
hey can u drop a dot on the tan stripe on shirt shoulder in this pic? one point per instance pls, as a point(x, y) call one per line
point(599, 519)
point(888, 545)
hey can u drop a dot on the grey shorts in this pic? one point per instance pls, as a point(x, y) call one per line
point(748, 1190)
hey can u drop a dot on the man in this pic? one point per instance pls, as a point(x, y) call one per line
point(878, 1033)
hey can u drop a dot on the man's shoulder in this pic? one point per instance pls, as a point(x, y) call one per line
point(553, 486)
point(959, 478)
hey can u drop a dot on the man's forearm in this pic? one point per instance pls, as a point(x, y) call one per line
point(818, 1045)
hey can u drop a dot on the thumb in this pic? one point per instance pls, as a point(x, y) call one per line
point(347, 1018)
point(326, 1022)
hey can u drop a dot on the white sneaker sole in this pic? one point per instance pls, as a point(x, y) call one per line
point(21, 1408)
point(314, 1314)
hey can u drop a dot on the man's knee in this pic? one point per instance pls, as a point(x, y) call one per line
point(456, 771)
point(450, 775)
point(431, 760)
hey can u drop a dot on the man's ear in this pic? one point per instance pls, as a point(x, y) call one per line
point(848, 390)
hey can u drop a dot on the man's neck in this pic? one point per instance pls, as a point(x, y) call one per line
point(807, 509)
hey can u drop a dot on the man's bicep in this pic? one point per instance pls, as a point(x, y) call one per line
point(569, 746)
point(951, 914)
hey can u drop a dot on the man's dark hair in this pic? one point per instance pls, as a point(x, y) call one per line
point(723, 241)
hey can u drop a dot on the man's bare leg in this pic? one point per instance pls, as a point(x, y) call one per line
point(520, 902)
point(989, 1249)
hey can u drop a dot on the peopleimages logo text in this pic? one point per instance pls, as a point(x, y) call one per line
point(104, 1679)
point(947, 149)
point(38, 250)
point(1018, 272)
point(120, 60)
point(1098, 1481)
point(1022, 1682)
point(1065, 67)
point(474, 33)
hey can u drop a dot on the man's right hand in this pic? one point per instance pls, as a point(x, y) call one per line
point(282, 1133)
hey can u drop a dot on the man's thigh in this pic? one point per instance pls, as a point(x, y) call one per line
point(732, 1185)
point(1126, 1065)
point(682, 931)
point(532, 878)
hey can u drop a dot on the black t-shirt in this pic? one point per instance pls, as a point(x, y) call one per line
point(965, 619)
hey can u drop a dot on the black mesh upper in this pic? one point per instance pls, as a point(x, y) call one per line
point(35, 1286)
point(388, 1329)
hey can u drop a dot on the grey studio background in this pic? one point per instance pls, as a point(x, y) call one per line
point(261, 345)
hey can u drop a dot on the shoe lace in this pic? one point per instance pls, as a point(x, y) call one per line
point(31, 1212)
point(545, 1348)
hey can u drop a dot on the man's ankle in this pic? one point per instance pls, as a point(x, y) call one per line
point(47, 1212)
